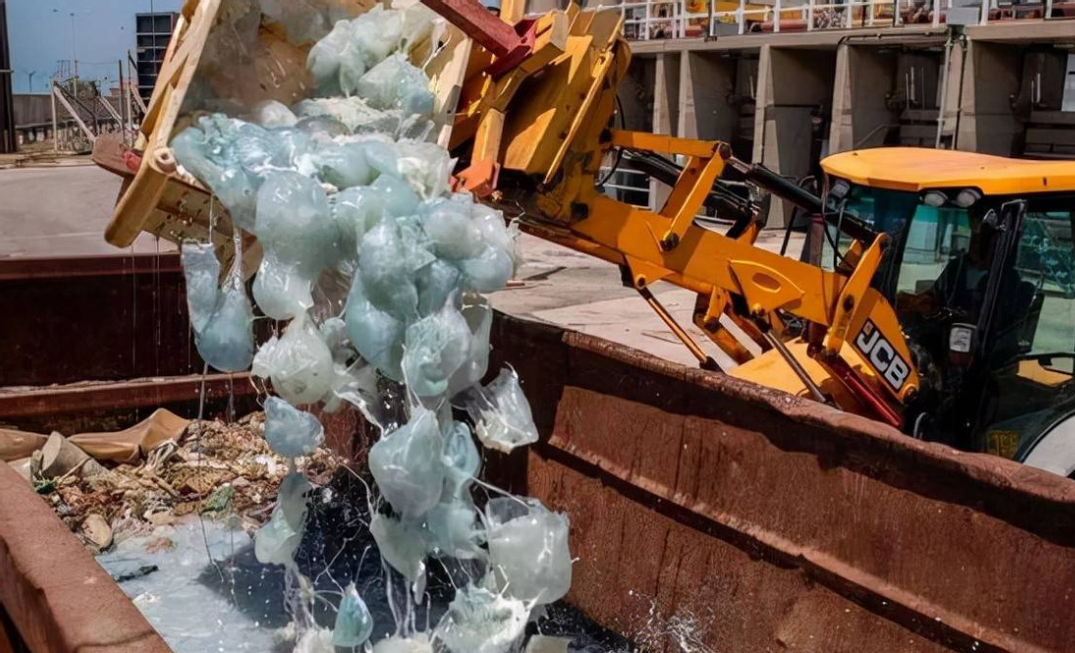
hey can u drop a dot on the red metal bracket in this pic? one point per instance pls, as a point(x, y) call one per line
point(510, 45)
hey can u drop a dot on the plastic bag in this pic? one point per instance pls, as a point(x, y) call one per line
point(290, 432)
point(202, 272)
point(501, 413)
point(528, 550)
point(407, 465)
point(299, 363)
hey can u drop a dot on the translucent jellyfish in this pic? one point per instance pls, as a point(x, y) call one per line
point(271, 113)
point(455, 234)
point(400, 198)
point(226, 342)
point(299, 363)
point(546, 644)
point(315, 640)
point(479, 621)
point(383, 157)
point(379, 33)
point(501, 413)
point(401, 547)
point(344, 166)
point(479, 317)
point(282, 291)
point(351, 114)
point(377, 335)
point(462, 462)
point(396, 83)
point(326, 57)
point(212, 162)
point(407, 465)
point(418, 643)
point(425, 166)
point(435, 348)
point(489, 271)
point(356, 211)
point(202, 272)
point(436, 283)
point(294, 221)
point(354, 623)
point(452, 530)
point(494, 231)
point(290, 432)
point(528, 550)
point(388, 256)
point(277, 541)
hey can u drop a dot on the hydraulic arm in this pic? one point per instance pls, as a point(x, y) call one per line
point(531, 137)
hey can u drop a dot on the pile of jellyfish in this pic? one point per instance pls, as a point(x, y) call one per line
point(346, 186)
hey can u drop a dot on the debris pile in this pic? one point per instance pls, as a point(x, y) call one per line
point(212, 468)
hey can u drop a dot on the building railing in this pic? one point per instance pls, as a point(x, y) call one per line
point(645, 20)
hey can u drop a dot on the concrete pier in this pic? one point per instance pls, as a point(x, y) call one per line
point(787, 99)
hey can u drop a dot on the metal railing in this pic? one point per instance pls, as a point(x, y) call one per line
point(646, 20)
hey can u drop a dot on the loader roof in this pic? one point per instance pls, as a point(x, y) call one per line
point(918, 169)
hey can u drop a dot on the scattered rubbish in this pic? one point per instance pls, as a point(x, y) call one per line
point(208, 468)
point(97, 531)
point(17, 445)
point(60, 457)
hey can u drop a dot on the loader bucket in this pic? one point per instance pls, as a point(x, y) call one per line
point(202, 69)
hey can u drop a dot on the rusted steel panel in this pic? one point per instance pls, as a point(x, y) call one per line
point(104, 405)
point(110, 318)
point(778, 523)
point(59, 598)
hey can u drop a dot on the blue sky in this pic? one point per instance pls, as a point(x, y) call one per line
point(40, 33)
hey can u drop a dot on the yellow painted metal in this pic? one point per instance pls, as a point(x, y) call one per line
point(849, 300)
point(915, 169)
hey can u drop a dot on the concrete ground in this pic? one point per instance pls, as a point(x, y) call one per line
point(59, 210)
point(62, 210)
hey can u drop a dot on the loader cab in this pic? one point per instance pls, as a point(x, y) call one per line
point(981, 273)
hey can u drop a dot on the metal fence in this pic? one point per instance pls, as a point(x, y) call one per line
point(668, 19)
